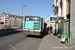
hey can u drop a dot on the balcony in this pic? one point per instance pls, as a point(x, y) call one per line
point(53, 9)
point(53, 4)
point(57, 3)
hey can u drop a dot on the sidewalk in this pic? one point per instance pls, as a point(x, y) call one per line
point(51, 42)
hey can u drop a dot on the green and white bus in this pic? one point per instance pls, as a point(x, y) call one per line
point(33, 25)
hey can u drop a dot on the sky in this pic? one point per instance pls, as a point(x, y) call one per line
point(42, 8)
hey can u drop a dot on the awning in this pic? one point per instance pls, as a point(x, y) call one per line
point(56, 18)
point(1, 22)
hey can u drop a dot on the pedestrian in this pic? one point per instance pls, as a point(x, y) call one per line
point(51, 29)
point(48, 30)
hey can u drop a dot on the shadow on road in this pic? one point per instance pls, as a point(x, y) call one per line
point(10, 33)
point(33, 36)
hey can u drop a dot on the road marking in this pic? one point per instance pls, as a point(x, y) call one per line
point(28, 38)
point(11, 46)
point(34, 41)
point(17, 43)
point(20, 43)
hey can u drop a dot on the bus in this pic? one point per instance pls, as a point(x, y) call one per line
point(33, 25)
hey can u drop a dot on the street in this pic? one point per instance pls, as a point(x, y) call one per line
point(19, 41)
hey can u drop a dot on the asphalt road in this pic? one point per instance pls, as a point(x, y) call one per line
point(19, 41)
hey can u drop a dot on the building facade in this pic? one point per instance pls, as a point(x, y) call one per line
point(66, 9)
point(10, 21)
point(72, 23)
point(62, 10)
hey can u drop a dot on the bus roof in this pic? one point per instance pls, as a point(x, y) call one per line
point(34, 16)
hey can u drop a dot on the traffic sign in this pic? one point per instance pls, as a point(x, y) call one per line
point(47, 22)
point(53, 15)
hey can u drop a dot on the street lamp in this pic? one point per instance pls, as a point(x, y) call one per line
point(22, 9)
point(22, 14)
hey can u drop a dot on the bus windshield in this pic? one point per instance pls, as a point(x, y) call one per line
point(32, 19)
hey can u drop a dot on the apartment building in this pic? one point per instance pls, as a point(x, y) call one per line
point(62, 10)
point(55, 19)
point(10, 21)
point(55, 5)
point(66, 9)
point(1, 21)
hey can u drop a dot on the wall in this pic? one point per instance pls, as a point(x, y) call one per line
point(52, 23)
point(67, 7)
point(59, 8)
point(64, 8)
point(72, 23)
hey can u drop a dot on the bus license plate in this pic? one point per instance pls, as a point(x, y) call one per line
point(31, 31)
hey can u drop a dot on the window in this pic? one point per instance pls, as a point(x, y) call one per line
point(5, 21)
point(15, 19)
point(56, 0)
point(11, 15)
point(32, 19)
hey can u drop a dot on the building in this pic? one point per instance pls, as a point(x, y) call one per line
point(55, 5)
point(62, 21)
point(1, 21)
point(53, 19)
point(47, 21)
point(10, 21)
point(72, 23)
point(63, 8)
point(66, 9)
